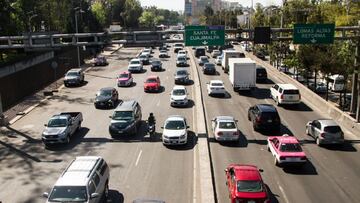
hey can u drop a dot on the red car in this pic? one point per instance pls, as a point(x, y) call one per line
point(286, 150)
point(245, 184)
point(152, 84)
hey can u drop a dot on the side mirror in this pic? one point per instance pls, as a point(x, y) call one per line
point(162, 127)
point(45, 194)
point(94, 195)
point(187, 126)
point(110, 116)
point(261, 170)
point(45, 125)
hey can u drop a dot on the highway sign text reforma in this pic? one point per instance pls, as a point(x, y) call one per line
point(204, 35)
point(313, 33)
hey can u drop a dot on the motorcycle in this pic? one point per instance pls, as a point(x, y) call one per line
point(151, 129)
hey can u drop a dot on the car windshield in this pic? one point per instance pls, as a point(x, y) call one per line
point(57, 122)
point(134, 62)
point(181, 72)
point(332, 129)
point(227, 125)
point(151, 80)
point(181, 59)
point(105, 93)
point(216, 84)
point(249, 186)
point(209, 65)
point(142, 56)
point(179, 92)
point(290, 147)
point(204, 59)
point(163, 51)
point(124, 75)
point(122, 115)
point(155, 62)
point(175, 125)
point(269, 115)
point(72, 74)
point(68, 194)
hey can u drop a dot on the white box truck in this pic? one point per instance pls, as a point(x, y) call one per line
point(229, 54)
point(242, 73)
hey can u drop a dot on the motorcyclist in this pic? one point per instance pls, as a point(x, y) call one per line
point(151, 120)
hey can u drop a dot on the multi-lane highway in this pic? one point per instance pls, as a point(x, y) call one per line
point(140, 167)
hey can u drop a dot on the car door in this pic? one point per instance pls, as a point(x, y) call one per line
point(316, 129)
point(274, 145)
point(92, 189)
point(273, 90)
point(213, 125)
point(158, 82)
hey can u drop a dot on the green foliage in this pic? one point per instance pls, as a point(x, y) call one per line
point(99, 11)
point(131, 13)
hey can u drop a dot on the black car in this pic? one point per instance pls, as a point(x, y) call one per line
point(199, 52)
point(106, 97)
point(209, 68)
point(261, 74)
point(156, 65)
point(260, 55)
point(264, 117)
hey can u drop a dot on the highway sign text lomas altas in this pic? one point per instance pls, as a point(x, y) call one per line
point(313, 33)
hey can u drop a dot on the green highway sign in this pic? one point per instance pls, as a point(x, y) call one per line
point(313, 33)
point(204, 35)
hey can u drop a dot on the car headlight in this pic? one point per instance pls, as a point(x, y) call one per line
point(166, 137)
point(183, 136)
point(172, 99)
point(62, 134)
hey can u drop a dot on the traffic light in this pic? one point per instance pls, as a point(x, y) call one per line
point(262, 35)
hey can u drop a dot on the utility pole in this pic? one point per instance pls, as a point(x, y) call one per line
point(77, 10)
point(2, 117)
point(355, 102)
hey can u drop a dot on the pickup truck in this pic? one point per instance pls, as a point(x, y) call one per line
point(61, 127)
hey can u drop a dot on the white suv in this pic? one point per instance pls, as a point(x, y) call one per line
point(175, 131)
point(178, 96)
point(285, 94)
point(86, 179)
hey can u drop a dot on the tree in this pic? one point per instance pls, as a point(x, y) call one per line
point(147, 19)
point(132, 12)
point(99, 11)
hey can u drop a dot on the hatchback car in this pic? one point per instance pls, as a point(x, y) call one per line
point(245, 184)
point(178, 96)
point(156, 65)
point(261, 74)
point(209, 68)
point(152, 84)
point(181, 76)
point(100, 61)
point(225, 128)
point(202, 60)
point(106, 97)
point(325, 131)
point(125, 79)
point(135, 65)
point(216, 87)
point(175, 131)
point(286, 150)
point(264, 117)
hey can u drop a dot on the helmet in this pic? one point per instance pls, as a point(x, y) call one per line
point(151, 114)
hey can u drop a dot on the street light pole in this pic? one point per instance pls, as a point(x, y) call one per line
point(77, 10)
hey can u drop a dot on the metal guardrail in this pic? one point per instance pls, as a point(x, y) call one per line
point(135, 38)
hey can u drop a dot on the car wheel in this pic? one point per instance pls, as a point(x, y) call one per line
point(268, 148)
point(277, 102)
point(248, 117)
point(317, 141)
point(67, 139)
point(79, 126)
point(307, 131)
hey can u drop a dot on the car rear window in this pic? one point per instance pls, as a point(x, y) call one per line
point(261, 70)
point(269, 115)
point(290, 147)
point(226, 125)
point(291, 91)
point(332, 129)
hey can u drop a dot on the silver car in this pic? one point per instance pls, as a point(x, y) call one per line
point(325, 131)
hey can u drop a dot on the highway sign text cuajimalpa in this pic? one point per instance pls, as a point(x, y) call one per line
point(204, 35)
point(313, 33)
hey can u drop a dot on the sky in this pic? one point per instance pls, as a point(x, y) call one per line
point(178, 5)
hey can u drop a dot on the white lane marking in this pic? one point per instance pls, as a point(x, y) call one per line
point(138, 158)
point(283, 192)
point(158, 103)
point(28, 126)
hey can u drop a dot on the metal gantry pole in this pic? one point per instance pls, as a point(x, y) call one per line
point(77, 47)
point(2, 117)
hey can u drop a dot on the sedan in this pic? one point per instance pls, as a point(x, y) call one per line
point(144, 58)
point(218, 60)
point(203, 60)
point(209, 68)
point(152, 84)
point(216, 87)
point(178, 96)
point(286, 150)
point(156, 65)
point(175, 131)
point(181, 61)
point(260, 55)
point(106, 97)
point(124, 79)
point(225, 128)
point(245, 184)
point(325, 131)
point(100, 61)
point(163, 54)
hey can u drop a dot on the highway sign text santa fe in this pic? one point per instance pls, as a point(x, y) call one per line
point(204, 35)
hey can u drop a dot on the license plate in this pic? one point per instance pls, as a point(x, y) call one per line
point(292, 159)
point(173, 142)
point(291, 97)
point(120, 131)
point(251, 201)
point(269, 121)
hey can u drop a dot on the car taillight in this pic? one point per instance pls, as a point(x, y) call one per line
point(236, 133)
point(219, 133)
point(282, 158)
point(258, 119)
point(322, 135)
point(282, 96)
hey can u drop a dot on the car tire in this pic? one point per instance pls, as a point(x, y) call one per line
point(254, 127)
point(307, 131)
point(248, 116)
point(277, 102)
point(268, 148)
point(67, 139)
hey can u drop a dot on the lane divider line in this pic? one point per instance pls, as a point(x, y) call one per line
point(283, 193)
point(138, 158)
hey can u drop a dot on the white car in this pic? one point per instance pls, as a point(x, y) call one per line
point(225, 128)
point(135, 65)
point(182, 53)
point(216, 53)
point(285, 94)
point(163, 54)
point(218, 60)
point(178, 96)
point(175, 131)
point(147, 52)
point(216, 87)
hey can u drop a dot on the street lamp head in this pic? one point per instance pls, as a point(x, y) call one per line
point(78, 9)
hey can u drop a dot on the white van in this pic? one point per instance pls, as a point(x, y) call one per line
point(336, 82)
point(86, 179)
